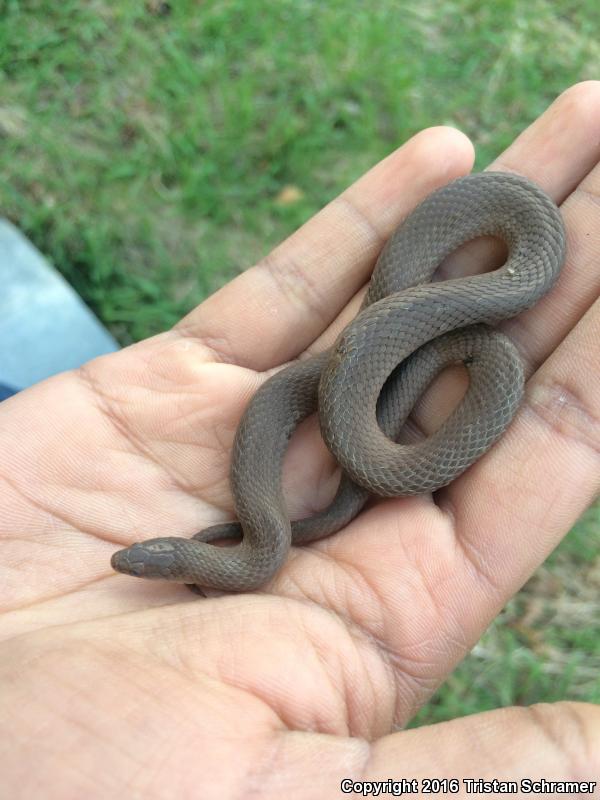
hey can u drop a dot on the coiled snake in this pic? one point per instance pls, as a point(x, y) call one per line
point(364, 388)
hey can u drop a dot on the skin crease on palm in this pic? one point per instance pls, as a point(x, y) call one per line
point(112, 687)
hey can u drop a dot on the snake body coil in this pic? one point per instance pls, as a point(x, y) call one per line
point(364, 388)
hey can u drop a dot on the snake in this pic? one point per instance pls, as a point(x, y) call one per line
point(408, 329)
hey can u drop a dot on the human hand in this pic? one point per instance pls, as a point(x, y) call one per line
point(115, 686)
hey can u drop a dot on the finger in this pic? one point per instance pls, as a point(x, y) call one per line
point(556, 151)
point(539, 331)
point(274, 310)
point(513, 507)
point(556, 743)
point(559, 152)
point(562, 145)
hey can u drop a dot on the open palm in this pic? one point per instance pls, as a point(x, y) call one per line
point(111, 682)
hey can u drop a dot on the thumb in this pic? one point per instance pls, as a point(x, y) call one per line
point(554, 743)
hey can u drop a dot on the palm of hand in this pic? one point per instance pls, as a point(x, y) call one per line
point(357, 630)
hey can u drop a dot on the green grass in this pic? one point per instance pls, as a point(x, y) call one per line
point(145, 155)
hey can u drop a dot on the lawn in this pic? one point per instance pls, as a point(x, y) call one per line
point(152, 151)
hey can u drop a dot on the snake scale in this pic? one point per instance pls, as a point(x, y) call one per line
point(364, 388)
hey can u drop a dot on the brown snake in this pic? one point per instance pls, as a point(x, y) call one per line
point(407, 331)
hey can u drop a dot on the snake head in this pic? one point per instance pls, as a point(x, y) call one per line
point(154, 558)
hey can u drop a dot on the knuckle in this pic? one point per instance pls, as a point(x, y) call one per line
point(565, 728)
point(568, 415)
point(292, 281)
